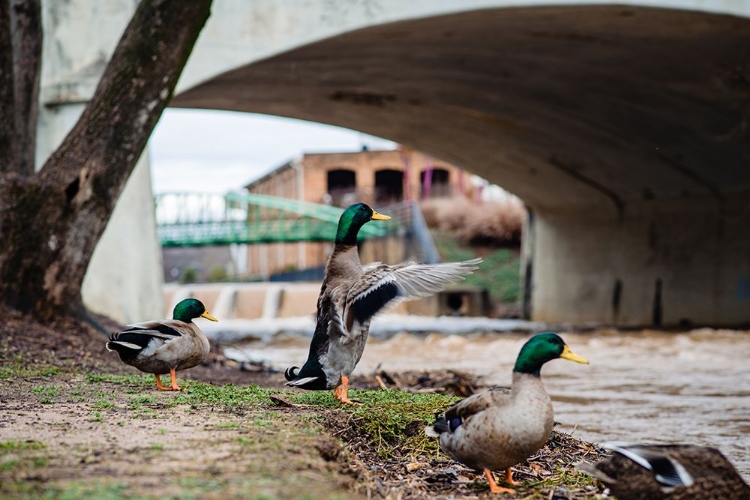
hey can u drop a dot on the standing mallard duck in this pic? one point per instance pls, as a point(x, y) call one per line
point(668, 472)
point(162, 347)
point(351, 295)
point(496, 429)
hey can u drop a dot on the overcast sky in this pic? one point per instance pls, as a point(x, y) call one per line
point(219, 151)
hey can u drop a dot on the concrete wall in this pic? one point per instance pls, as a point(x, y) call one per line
point(681, 262)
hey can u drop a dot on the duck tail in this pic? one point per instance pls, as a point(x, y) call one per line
point(440, 426)
point(291, 373)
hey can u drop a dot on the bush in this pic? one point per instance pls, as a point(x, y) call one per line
point(490, 223)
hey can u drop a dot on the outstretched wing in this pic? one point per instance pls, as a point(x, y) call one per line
point(384, 285)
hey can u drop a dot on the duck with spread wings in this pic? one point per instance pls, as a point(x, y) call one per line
point(351, 295)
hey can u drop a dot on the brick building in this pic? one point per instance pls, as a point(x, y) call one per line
point(378, 178)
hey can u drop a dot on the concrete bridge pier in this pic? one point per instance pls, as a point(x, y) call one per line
point(677, 262)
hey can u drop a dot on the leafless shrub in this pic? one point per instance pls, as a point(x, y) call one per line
point(496, 222)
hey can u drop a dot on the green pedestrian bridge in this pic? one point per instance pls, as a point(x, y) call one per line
point(201, 219)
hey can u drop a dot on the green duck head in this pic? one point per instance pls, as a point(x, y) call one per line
point(542, 348)
point(352, 220)
point(188, 309)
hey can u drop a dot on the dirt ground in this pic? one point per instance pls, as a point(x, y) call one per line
point(75, 422)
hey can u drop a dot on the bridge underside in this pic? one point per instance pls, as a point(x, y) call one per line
point(624, 129)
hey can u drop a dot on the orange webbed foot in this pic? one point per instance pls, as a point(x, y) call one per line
point(160, 386)
point(494, 488)
point(173, 375)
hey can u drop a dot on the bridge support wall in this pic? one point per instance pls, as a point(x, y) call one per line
point(670, 263)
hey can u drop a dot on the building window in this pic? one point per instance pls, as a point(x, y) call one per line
point(435, 183)
point(342, 187)
point(389, 186)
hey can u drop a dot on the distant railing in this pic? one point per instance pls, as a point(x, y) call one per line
point(200, 219)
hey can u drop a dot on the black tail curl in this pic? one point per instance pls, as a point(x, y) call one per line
point(291, 373)
point(441, 425)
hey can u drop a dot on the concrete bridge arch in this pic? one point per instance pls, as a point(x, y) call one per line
point(624, 127)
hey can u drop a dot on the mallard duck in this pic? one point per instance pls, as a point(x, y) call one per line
point(166, 346)
point(351, 295)
point(668, 471)
point(496, 429)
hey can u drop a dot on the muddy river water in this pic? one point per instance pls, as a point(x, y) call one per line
point(642, 386)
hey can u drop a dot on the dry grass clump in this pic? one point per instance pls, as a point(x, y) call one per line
point(496, 222)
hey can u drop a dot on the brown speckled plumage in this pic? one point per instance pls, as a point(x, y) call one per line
point(500, 428)
point(497, 429)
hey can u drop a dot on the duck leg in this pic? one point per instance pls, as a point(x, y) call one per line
point(341, 391)
point(509, 477)
point(159, 384)
point(173, 375)
point(494, 488)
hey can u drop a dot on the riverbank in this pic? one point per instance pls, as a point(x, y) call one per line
point(83, 426)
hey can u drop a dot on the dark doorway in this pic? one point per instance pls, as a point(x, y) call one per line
point(389, 186)
point(342, 185)
point(435, 183)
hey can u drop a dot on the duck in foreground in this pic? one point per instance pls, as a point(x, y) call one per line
point(351, 295)
point(167, 346)
point(496, 429)
point(672, 471)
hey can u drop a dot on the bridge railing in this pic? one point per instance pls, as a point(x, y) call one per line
point(197, 219)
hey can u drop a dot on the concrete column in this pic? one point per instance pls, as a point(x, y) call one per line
point(679, 262)
point(124, 279)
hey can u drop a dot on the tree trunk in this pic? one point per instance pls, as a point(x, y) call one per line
point(50, 222)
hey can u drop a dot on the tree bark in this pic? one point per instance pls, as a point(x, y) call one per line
point(50, 222)
point(26, 29)
point(7, 97)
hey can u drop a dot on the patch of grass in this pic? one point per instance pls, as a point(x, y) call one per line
point(49, 372)
point(97, 417)
point(227, 425)
point(18, 446)
point(134, 379)
point(103, 404)
point(46, 391)
point(9, 465)
point(228, 395)
point(98, 490)
point(143, 400)
point(392, 421)
point(157, 446)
